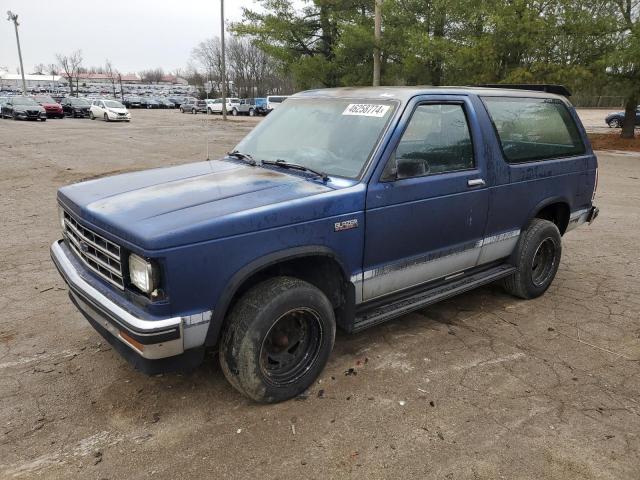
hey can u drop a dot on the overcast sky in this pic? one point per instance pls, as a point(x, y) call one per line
point(133, 34)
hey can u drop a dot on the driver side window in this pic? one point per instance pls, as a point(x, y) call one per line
point(437, 140)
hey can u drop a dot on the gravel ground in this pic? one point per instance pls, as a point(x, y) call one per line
point(482, 386)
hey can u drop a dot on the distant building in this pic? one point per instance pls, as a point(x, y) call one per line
point(14, 80)
point(106, 78)
point(173, 80)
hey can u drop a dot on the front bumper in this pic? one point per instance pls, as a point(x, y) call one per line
point(118, 118)
point(148, 338)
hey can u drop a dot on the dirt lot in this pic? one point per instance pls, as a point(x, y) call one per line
point(482, 386)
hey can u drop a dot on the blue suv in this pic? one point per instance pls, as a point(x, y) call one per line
point(344, 208)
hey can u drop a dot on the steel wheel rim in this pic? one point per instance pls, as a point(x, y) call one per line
point(543, 263)
point(291, 346)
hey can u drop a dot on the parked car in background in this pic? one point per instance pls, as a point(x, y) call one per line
point(3, 101)
point(75, 107)
point(616, 120)
point(194, 106)
point(132, 101)
point(177, 101)
point(148, 102)
point(348, 208)
point(53, 108)
point(215, 105)
point(109, 110)
point(252, 106)
point(273, 101)
point(164, 103)
point(23, 108)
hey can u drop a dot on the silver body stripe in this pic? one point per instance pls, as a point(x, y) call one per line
point(408, 273)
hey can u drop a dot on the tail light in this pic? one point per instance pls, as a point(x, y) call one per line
point(595, 187)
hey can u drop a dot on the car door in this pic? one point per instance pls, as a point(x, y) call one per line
point(427, 210)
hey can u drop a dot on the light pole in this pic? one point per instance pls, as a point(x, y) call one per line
point(12, 17)
point(224, 70)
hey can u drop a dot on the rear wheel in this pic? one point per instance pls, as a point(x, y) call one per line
point(91, 115)
point(615, 123)
point(252, 112)
point(234, 112)
point(194, 111)
point(537, 259)
point(278, 339)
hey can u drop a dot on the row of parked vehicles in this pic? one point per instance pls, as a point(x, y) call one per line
point(41, 107)
point(235, 106)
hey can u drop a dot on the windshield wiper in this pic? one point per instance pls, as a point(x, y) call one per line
point(295, 166)
point(242, 156)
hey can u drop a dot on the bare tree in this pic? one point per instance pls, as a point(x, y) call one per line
point(108, 69)
point(153, 75)
point(53, 69)
point(71, 65)
point(39, 69)
point(250, 70)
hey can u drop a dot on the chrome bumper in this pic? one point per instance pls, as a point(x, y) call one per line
point(150, 338)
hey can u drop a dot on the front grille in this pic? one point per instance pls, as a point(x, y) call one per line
point(102, 256)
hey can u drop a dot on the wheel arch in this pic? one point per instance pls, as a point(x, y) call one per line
point(318, 265)
point(556, 210)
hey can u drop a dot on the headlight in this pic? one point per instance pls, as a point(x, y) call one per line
point(142, 274)
point(63, 225)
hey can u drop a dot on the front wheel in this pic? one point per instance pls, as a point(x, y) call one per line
point(615, 123)
point(537, 258)
point(106, 117)
point(92, 116)
point(278, 339)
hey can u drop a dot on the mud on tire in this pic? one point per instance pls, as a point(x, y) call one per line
point(277, 339)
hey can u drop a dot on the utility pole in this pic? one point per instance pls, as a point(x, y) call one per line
point(376, 49)
point(224, 70)
point(12, 17)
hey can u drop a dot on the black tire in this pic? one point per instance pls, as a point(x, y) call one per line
point(43, 119)
point(537, 257)
point(106, 117)
point(615, 123)
point(234, 112)
point(92, 116)
point(252, 112)
point(255, 352)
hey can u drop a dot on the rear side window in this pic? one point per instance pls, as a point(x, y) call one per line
point(533, 129)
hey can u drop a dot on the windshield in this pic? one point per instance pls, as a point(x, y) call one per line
point(23, 101)
point(45, 100)
point(329, 135)
point(79, 101)
point(113, 104)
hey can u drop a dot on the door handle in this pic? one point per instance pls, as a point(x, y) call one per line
point(476, 182)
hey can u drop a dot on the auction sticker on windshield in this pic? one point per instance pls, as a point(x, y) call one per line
point(366, 109)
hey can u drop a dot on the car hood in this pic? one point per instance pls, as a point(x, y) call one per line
point(191, 203)
point(51, 105)
point(24, 108)
point(80, 107)
point(118, 110)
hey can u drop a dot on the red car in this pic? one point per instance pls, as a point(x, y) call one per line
point(53, 109)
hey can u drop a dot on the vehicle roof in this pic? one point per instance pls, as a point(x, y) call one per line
point(404, 94)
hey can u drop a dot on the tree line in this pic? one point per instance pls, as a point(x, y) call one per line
point(592, 46)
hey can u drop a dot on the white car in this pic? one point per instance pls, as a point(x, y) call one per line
point(215, 105)
point(109, 110)
point(273, 101)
